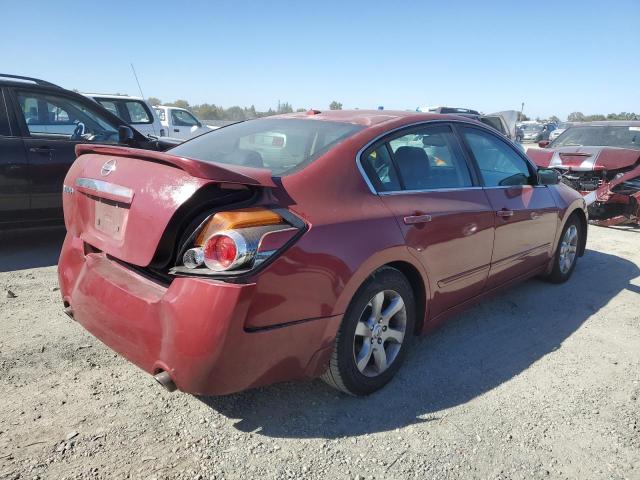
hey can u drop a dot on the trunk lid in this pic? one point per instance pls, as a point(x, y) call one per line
point(120, 200)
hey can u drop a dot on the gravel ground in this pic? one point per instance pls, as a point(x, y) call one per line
point(542, 381)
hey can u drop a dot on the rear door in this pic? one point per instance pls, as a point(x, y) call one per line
point(14, 170)
point(525, 214)
point(52, 124)
point(423, 176)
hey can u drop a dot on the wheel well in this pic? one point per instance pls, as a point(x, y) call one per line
point(582, 218)
point(418, 287)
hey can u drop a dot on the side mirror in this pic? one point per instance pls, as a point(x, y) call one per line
point(548, 176)
point(125, 135)
point(543, 143)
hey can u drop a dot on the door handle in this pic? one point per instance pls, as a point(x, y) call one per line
point(176, 129)
point(415, 219)
point(504, 213)
point(535, 215)
point(42, 150)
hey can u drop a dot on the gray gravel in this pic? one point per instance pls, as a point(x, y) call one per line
point(543, 381)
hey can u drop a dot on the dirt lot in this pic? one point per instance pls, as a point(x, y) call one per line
point(540, 382)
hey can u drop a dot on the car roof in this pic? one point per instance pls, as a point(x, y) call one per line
point(114, 96)
point(366, 118)
point(20, 80)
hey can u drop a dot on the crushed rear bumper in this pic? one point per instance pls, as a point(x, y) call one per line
point(193, 329)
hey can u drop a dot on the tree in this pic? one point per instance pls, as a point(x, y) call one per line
point(154, 101)
point(335, 105)
point(285, 108)
point(575, 117)
point(301, 109)
point(522, 117)
point(554, 119)
point(180, 104)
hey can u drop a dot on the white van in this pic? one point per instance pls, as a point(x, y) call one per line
point(133, 110)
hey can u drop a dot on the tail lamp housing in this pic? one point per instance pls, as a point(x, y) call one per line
point(237, 241)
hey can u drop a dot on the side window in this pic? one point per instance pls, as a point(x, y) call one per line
point(5, 128)
point(161, 114)
point(499, 164)
point(111, 106)
point(380, 170)
point(183, 119)
point(137, 112)
point(64, 118)
point(430, 158)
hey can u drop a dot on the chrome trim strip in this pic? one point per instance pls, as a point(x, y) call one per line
point(100, 186)
point(430, 122)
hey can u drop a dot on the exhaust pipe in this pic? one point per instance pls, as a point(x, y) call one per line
point(164, 379)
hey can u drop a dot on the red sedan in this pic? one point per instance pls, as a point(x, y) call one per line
point(304, 245)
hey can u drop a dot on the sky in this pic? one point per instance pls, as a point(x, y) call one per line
point(557, 56)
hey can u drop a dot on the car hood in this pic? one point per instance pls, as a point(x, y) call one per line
point(585, 158)
point(510, 117)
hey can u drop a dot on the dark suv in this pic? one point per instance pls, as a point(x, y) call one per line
point(40, 125)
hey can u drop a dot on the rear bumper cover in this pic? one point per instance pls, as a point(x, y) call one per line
point(193, 329)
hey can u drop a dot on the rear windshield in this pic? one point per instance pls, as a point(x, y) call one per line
point(281, 145)
point(600, 136)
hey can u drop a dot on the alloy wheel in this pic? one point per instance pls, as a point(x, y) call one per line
point(568, 249)
point(380, 332)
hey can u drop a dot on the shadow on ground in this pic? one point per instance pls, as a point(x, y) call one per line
point(470, 355)
point(30, 248)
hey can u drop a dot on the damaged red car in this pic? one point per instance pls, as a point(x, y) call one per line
point(305, 245)
point(601, 160)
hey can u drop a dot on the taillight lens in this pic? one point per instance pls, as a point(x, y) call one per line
point(237, 240)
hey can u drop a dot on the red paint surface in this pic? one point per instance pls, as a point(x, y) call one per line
point(203, 331)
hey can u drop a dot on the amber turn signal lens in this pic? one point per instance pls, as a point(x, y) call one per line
point(243, 218)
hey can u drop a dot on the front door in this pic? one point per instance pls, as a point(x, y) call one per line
point(447, 221)
point(526, 216)
point(183, 124)
point(53, 125)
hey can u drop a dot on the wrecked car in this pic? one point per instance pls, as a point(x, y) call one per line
point(601, 160)
point(304, 245)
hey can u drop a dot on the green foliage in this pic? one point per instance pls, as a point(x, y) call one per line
point(580, 117)
point(522, 117)
point(335, 105)
point(576, 117)
point(154, 101)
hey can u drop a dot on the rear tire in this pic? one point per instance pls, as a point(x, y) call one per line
point(566, 257)
point(373, 338)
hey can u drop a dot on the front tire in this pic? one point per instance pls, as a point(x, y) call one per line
point(372, 340)
point(566, 257)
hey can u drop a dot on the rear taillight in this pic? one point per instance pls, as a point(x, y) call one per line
point(238, 240)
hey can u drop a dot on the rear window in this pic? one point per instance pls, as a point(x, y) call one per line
point(281, 145)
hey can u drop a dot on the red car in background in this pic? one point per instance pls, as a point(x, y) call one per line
point(304, 245)
point(601, 160)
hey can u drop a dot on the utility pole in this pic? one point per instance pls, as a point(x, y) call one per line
point(521, 110)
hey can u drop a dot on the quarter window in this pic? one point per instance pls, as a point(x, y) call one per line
point(380, 170)
point(499, 164)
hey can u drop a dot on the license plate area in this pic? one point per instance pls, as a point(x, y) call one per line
point(110, 219)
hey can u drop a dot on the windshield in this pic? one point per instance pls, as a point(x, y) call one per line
point(281, 145)
point(531, 127)
point(600, 136)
